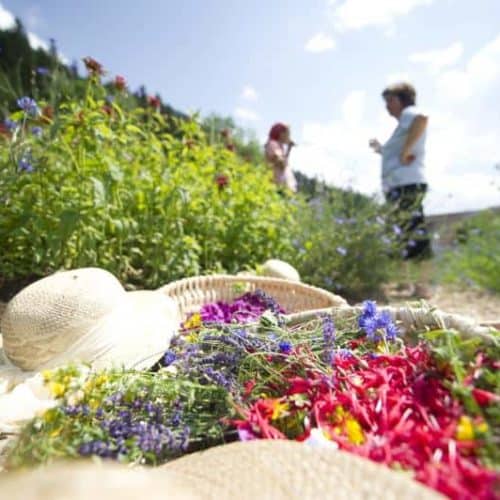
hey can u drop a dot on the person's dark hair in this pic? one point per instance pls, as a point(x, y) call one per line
point(404, 91)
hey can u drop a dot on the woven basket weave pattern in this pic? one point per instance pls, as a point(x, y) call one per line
point(192, 293)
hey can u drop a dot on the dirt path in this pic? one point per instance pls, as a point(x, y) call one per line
point(481, 305)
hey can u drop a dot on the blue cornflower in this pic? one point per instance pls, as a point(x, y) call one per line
point(169, 358)
point(383, 319)
point(342, 251)
point(391, 331)
point(25, 165)
point(285, 347)
point(370, 326)
point(28, 105)
point(11, 125)
point(37, 131)
point(369, 308)
point(42, 70)
point(397, 230)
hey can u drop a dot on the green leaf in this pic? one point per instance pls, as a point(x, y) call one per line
point(99, 192)
point(68, 223)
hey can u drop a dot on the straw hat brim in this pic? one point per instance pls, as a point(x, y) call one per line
point(86, 479)
point(279, 469)
point(263, 469)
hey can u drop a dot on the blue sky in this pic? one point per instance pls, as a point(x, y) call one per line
point(318, 65)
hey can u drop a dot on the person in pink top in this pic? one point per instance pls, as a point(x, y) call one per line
point(277, 151)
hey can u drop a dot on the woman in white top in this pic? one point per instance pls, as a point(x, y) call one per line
point(403, 179)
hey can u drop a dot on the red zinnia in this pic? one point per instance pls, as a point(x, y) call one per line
point(120, 83)
point(93, 67)
point(154, 101)
point(221, 180)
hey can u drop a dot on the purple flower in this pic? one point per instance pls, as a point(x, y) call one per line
point(169, 358)
point(37, 131)
point(245, 435)
point(25, 166)
point(28, 105)
point(339, 220)
point(42, 70)
point(342, 251)
point(11, 125)
point(397, 230)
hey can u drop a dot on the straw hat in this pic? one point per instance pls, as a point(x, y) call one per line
point(263, 469)
point(85, 315)
point(275, 268)
point(83, 480)
point(279, 469)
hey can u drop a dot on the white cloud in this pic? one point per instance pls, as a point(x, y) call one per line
point(7, 19)
point(249, 93)
point(481, 71)
point(438, 59)
point(320, 43)
point(357, 14)
point(36, 42)
point(246, 114)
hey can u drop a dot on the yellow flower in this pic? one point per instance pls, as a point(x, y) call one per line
point(482, 427)
point(193, 322)
point(50, 415)
point(354, 431)
point(101, 379)
point(93, 404)
point(279, 410)
point(56, 432)
point(57, 389)
point(47, 375)
point(465, 429)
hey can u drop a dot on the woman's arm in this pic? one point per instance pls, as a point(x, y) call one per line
point(415, 131)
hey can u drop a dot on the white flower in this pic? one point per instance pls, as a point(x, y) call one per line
point(318, 439)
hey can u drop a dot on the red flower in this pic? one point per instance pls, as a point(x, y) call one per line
point(120, 83)
point(154, 101)
point(221, 180)
point(231, 147)
point(93, 67)
point(108, 109)
point(484, 398)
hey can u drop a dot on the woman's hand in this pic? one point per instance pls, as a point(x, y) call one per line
point(375, 145)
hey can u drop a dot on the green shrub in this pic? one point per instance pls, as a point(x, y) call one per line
point(345, 246)
point(114, 189)
point(476, 260)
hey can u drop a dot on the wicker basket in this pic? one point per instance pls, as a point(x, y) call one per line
point(192, 293)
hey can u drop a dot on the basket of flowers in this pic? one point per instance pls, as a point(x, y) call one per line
point(191, 294)
point(410, 389)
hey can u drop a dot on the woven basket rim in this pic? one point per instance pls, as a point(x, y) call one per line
point(191, 293)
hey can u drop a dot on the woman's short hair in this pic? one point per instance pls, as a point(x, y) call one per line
point(404, 91)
